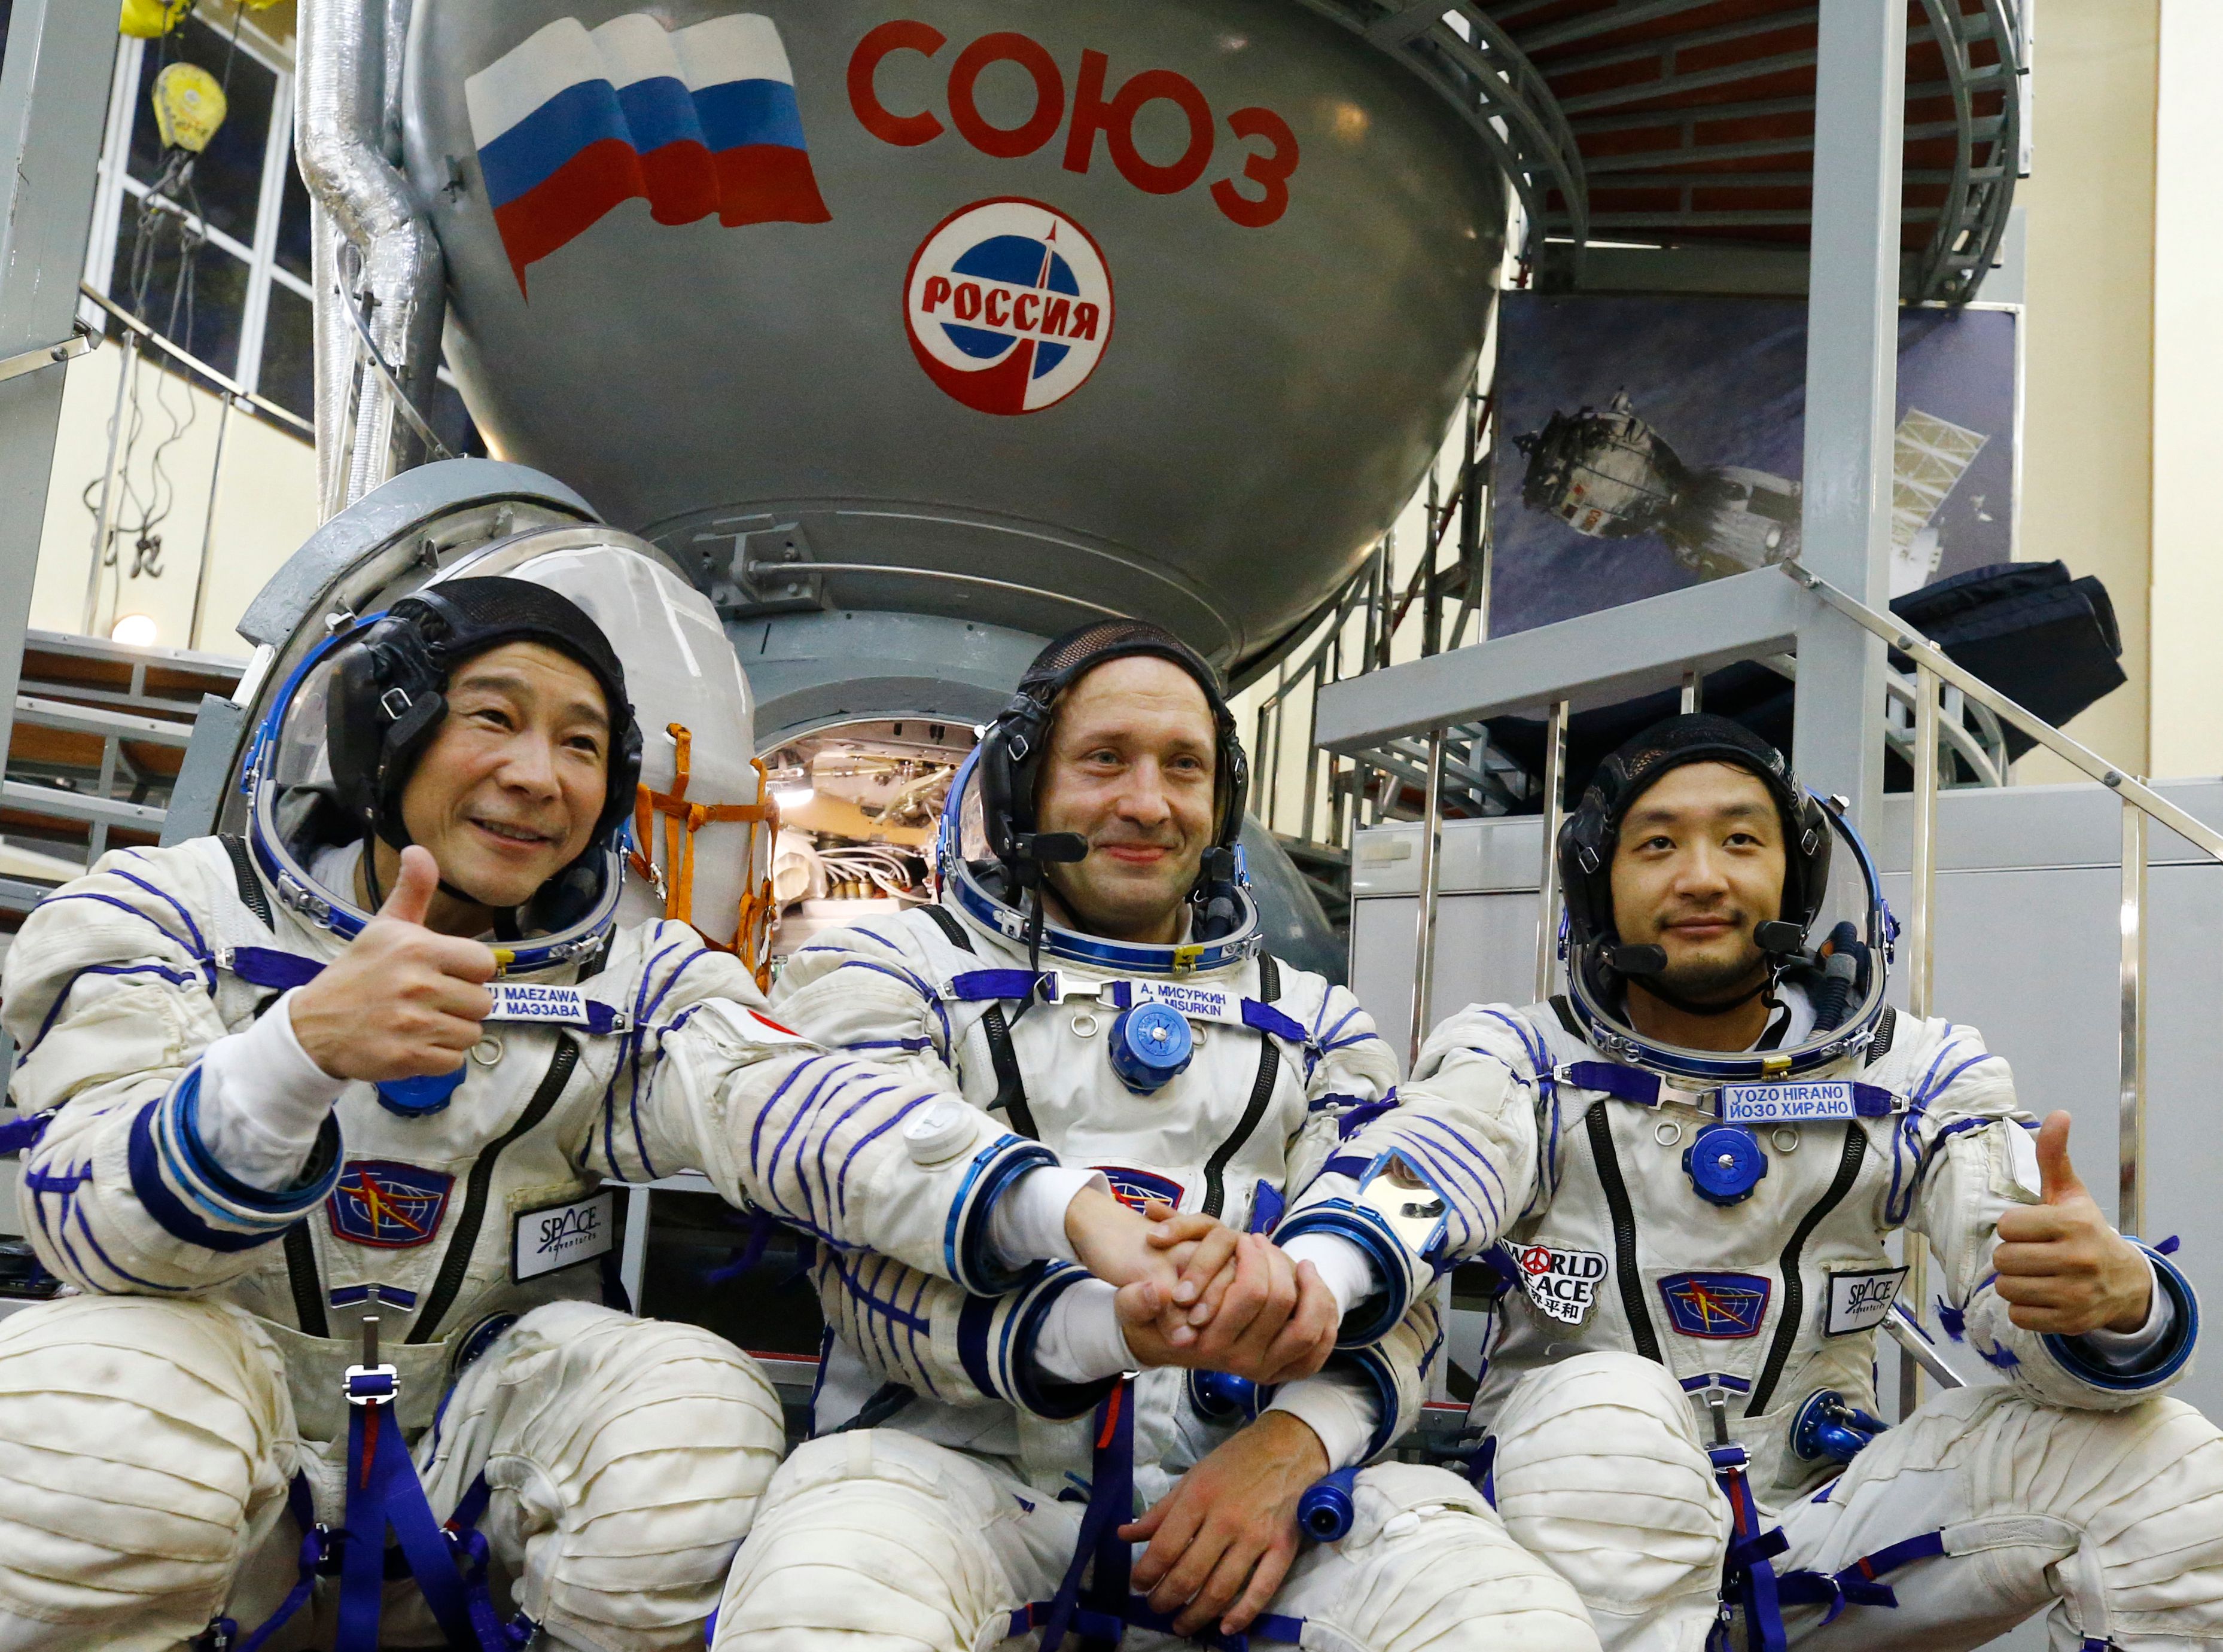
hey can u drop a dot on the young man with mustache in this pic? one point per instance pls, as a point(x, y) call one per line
point(1094, 976)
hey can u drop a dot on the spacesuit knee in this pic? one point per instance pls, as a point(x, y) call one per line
point(877, 1542)
point(626, 1456)
point(2120, 1514)
point(1599, 1470)
point(1427, 1564)
point(142, 1442)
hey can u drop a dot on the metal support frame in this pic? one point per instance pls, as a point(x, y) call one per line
point(53, 103)
point(1852, 380)
point(1921, 910)
point(1555, 804)
point(1431, 858)
point(2130, 1192)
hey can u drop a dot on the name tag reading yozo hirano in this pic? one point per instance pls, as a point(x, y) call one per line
point(1787, 1104)
point(558, 1235)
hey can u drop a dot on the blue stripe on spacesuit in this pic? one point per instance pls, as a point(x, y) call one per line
point(145, 1161)
point(911, 1045)
point(109, 1262)
point(175, 977)
point(922, 1357)
point(973, 1321)
point(965, 1236)
point(837, 1190)
point(200, 947)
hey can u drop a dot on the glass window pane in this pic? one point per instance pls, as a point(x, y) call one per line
point(289, 372)
point(205, 318)
point(293, 223)
point(227, 175)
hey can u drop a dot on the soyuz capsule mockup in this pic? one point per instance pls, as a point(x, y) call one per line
point(916, 335)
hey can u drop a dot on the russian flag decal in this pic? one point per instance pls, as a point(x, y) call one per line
point(697, 120)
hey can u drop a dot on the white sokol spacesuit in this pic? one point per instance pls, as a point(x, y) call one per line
point(1679, 1287)
point(950, 1525)
point(173, 1439)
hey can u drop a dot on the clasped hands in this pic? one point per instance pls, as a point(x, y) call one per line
point(1197, 1294)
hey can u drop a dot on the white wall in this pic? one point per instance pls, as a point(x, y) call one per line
point(2188, 415)
point(266, 506)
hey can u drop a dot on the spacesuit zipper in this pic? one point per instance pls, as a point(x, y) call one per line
point(1794, 1293)
point(242, 869)
point(1624, 1232)
point(1262, 1091)
point(465, 1238)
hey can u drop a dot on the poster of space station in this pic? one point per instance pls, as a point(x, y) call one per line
point(1648, 443)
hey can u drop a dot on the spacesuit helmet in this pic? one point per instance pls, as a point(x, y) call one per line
point(1844, 979)
point(991, 855)
point(345, 734)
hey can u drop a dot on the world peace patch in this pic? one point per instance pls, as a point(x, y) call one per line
point(1719, 1307)
point(392, 1206)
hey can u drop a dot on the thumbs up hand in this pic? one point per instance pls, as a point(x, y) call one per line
point(2061, 1269)
point(403, 1000)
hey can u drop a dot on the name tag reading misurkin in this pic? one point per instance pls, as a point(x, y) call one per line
point(558, 1235)
point(1791, 1102)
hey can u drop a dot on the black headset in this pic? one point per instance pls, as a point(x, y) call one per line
point(388, 694)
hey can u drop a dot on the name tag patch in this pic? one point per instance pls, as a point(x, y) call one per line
point(1792, 1103)
point(1560, 1284)
point(1196, 1003)
point(529, 1002)
point(558, 1235)
point(1861, 1301)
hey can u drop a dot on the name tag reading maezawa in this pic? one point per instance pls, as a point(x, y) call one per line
point(1787, 1104)
point(527, 1001)
point(556, 1235)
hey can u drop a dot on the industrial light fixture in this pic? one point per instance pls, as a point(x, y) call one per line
point(134, 630)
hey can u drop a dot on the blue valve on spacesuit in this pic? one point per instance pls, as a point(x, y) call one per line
point(414, 1098)
point(1724, 1164)
point(1150, 1047)
point(1219, 1396)
point(1326, 1509)
point(1827, 1426)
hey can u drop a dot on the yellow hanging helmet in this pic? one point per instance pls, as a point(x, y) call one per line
point(189, 106)
point(149, 19)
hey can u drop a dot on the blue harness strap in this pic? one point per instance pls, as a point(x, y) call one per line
point(1111, 1505)
point(982, 986)
point(1859, 1583)
point(1635, 1084)
point(21, 1135)
point(1103, 1610)
point(383, 1491)
point(1747, 1577)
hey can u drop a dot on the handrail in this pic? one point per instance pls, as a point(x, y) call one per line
point(1911, 643)
point(224, 381)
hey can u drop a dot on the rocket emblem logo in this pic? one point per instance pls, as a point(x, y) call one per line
point(392, 1206)
point(1718, 1307)
point(1008, 305)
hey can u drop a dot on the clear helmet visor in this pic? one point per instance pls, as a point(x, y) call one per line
point(704, 855)
point(701, 842)
point(970, 876)
point(1847, 989)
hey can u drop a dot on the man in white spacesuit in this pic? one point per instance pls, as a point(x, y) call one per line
point(1684, 1172)
point(1092, 977)
point(325, 1111)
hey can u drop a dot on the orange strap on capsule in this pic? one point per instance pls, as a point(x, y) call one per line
point(682, 821)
